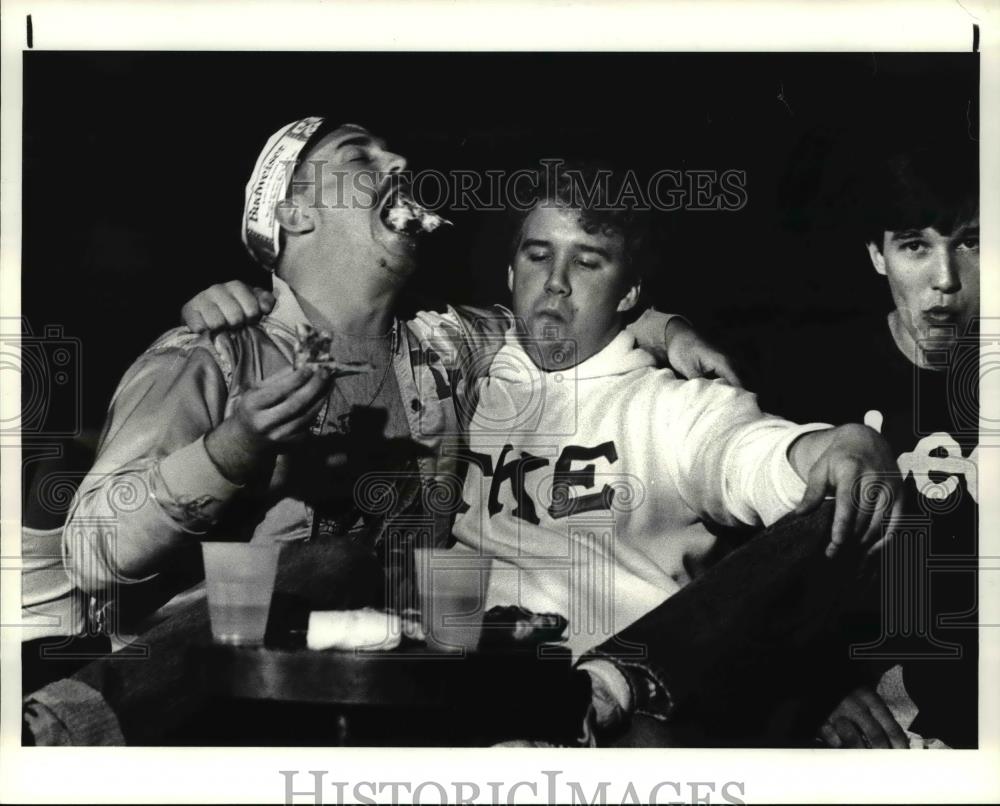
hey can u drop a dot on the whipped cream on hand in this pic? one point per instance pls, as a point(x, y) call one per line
point(312, 348)
point(405, 216)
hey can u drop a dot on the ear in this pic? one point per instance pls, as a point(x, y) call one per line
point(878, 259)
point(510, 278)
point(631, 297)
point(294, 217)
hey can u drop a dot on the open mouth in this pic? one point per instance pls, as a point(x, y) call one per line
point(401, 214)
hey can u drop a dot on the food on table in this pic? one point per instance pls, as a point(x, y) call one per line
point(378, 630)
point(521, 626)
point(354, 629)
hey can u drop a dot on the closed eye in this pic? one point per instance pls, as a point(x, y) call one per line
point(537, 256)
point(355, 155)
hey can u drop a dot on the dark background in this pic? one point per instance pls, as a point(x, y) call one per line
point(135, 163)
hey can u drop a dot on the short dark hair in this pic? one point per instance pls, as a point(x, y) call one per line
point(600, 193)
point(932, 186)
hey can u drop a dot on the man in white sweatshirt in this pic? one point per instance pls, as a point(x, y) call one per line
point(220, 434)
point(592, 474)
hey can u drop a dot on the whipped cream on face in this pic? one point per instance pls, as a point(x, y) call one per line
point(402, 214)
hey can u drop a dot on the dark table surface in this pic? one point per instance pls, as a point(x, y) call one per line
point(408, 696)
point(412, 675)
point(411, 696)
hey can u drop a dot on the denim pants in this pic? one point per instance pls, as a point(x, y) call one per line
point(755, 650)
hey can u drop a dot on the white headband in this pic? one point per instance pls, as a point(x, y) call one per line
point(268, 186)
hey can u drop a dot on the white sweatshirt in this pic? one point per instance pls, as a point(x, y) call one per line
point(591, 484)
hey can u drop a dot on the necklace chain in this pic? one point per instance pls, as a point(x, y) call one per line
point(393, 336)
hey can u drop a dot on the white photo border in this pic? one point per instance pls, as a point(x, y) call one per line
point(252, 775)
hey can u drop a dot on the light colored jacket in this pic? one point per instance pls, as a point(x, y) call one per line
point(153, 488)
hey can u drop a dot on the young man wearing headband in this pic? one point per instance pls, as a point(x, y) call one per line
point(211, 435)
point(593, 503)
point(206, 434)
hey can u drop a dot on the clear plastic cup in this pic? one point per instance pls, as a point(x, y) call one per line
point(239, 578)
point(452, 585)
